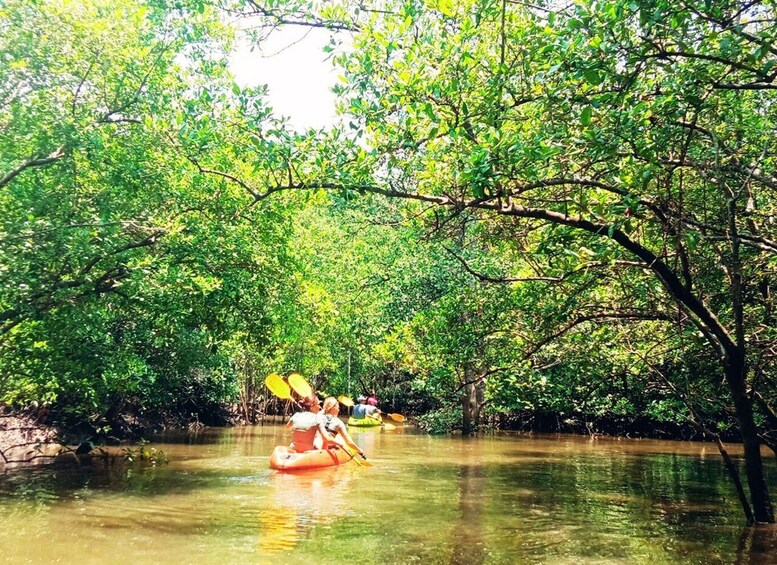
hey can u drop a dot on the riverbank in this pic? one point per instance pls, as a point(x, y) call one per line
point(34, 435)
point(25, 437)
point(614, 425)
point(30, 436)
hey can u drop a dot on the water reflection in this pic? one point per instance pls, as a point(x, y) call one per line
point(468, 534)
point(498, 499)
point(299, 502)
point(277, 530)
point(757, 546)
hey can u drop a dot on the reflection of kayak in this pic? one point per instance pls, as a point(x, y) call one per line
point(365, 422)
point(284, 459)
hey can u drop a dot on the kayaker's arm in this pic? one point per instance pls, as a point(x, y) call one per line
point(350, 443)
point(329, 439)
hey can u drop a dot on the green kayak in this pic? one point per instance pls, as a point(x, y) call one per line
point(365, 422)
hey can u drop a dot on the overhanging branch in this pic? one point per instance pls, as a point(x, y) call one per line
point(56, 155)
point(599, 317)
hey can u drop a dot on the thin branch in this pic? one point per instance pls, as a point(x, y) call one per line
point(56, 155)
point(107, 117)
point(746, 86)
point(604, 316)
point(663, 53)
point(481, 377)
point(725, 25)
point(505, 280)
point(696, 422)
point(279, 18)
point(80, 86)
point(253, 192)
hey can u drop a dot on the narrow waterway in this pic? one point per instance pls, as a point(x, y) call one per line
point(496, 499)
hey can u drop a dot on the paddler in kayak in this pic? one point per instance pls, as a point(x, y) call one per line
point(334, 426)
point(307, 426)
point(365, 410)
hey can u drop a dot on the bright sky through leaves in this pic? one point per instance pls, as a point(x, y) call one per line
point(291, 62)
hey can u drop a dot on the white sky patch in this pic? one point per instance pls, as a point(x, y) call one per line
point(292, 64)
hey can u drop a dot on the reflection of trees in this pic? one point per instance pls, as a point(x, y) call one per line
point(444, 501)
point(617, 506)
point(468, 539)
point(45, 487)
point(664, 494)
point(757, 545)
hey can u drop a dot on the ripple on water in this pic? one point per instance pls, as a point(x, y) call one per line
point(432, 500)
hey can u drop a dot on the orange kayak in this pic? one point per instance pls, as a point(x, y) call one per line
point(284, 459)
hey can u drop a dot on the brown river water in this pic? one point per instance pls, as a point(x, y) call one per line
point(493, 499)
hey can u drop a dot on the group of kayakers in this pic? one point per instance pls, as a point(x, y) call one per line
point(367, 408)
point(313, 428)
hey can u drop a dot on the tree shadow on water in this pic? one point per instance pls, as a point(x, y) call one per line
point(468, 536)
point(60, 483)
point(757, 545)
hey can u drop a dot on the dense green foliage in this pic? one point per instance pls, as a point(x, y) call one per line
point(623, 149)
point(122, 267)
point(565, 210)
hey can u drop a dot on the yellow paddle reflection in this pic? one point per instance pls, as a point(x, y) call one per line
point(277, 530)
point(298, 503)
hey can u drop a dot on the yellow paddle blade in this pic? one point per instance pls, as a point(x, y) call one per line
point(345, 401)
point(300, 385)
point(278, 386)
point(354, 456)
point(396, 417)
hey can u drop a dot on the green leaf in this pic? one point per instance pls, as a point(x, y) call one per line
point(446, 7)
point(593, 77)
point(585, 115)
point(575, 24)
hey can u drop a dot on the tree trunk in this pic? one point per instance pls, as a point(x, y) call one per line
point(759, 493)
point(480, 400)
point(468, 404)
point(472, 402)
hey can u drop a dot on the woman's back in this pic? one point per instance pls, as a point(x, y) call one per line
point(304, 428)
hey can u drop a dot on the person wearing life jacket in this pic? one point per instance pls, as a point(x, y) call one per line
point(306, 431)
point(334, 426)
point(365, 410)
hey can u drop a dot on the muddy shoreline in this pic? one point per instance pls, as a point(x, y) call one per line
point(30, 437)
